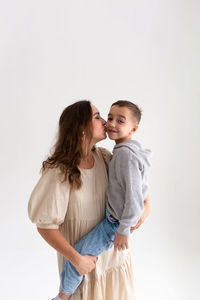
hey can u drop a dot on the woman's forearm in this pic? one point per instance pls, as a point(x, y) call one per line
point(147, 207)
point(55, 238)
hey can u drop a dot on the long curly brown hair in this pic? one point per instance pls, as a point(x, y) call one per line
point(75, 121)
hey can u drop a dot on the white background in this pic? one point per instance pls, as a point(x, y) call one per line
point(54, 53)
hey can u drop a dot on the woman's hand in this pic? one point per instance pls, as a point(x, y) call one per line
point(83, 263)
point(86, 264)
point(146, 212)
point(120, 241)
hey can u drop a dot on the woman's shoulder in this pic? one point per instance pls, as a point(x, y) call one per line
point(48, 201)
point(105, 153)
point(54, 174)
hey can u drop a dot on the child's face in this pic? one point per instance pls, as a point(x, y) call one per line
point(120, 124)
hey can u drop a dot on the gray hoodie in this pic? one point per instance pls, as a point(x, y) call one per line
point(127, 187)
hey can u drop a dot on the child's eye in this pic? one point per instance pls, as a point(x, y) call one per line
point(109, 119)
point(120, 121)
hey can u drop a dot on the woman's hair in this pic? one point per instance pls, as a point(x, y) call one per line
point(136, 111)
point(75, 123)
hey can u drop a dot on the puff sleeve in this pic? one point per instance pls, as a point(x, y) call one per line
point(48, 202)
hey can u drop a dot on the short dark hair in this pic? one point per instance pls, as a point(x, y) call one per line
point(136, 111)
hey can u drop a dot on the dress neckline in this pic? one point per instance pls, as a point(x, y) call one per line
point(89, 169)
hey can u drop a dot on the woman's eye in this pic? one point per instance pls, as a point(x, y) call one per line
point(97, 117)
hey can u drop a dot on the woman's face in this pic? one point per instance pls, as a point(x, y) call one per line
point(98, 123)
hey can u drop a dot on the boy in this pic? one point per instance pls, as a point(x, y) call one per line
point(126, 193)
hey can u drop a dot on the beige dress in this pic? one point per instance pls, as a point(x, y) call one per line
point(75, 212)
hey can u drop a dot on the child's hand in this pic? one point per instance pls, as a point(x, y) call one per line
point(120, 241)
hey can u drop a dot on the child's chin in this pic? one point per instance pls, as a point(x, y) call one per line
point(111, 137)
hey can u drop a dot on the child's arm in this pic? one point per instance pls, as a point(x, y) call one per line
point(128, 175)
point(121, 241)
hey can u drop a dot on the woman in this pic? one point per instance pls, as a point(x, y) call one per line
point(69, 200)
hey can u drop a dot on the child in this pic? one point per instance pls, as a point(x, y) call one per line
point(126, 193)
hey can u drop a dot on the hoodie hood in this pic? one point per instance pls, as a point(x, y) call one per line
point(143, 155)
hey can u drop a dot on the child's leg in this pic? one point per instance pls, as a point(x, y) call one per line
point(98, 240)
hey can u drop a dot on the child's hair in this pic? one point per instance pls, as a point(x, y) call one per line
point(136, 111)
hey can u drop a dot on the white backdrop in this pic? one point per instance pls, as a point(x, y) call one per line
point(56, 52)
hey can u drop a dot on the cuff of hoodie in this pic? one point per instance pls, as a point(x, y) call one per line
point(124, 230)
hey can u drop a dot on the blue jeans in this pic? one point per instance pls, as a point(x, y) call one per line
point(99, 240)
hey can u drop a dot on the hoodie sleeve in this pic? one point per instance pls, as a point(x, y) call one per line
point(128, 172)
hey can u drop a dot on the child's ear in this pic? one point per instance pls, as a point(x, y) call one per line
point(134, 128)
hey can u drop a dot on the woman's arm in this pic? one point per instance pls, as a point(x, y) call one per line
point(83, 263)
point(146, 212)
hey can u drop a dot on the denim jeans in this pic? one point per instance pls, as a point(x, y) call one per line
point(99, 240)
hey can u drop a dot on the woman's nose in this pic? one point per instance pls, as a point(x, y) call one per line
point(103, 121)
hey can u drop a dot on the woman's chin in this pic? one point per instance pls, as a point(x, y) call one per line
point(101, 139)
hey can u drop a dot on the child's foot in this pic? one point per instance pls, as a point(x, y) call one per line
point(57, 298)
point(63, 296)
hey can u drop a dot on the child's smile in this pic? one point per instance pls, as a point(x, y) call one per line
point(111, 130)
